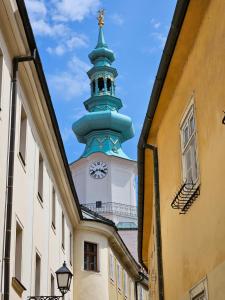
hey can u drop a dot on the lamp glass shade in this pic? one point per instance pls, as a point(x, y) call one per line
point(63, 280)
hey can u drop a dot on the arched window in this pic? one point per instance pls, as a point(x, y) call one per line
point(101, 84)
point(109, 84)
point(93, 86)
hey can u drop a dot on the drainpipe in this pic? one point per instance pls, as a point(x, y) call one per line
point(157, 220)
point(136, 285)
point(10, 178)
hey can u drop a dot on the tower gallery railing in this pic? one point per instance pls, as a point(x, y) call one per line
point(112, 207)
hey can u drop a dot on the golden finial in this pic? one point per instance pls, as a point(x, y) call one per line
point(101, 14)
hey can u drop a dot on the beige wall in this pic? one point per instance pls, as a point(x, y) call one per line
point(193, 244)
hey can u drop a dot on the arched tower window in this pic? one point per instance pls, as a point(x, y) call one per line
point(109, 84)
point(100, 84)
point(93, 86)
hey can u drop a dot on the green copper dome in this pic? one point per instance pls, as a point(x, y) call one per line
point(103, 128)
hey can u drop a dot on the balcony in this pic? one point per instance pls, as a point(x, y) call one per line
point(118, 209)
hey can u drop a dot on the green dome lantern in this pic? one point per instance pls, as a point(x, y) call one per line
point(103, 128)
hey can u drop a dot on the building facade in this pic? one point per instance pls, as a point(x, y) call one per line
point(180, 165)
point(41, 221)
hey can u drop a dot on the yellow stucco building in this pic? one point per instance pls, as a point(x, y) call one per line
point(181, 160)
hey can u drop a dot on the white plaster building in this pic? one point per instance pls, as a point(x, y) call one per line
point(42, 224)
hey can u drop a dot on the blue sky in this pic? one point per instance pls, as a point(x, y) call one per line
point(66, 31)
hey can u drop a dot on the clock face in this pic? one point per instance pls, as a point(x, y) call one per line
point(98, 169)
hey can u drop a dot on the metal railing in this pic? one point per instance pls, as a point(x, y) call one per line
point(112, 207)
point(44, 297)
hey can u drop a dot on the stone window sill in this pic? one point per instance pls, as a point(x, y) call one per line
point(18, 286)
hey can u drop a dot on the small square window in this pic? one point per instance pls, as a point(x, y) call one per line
point(98, 204)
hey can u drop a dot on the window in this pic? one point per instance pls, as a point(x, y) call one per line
point(53, 207)
point(118, 276)
point(63, 231)
point(93, 86)
point(71, 248)
point(23, 135)
point(37, 274)
point(100, 84)
point(111, 267)
point(125, 287)
point(52, 285)
point(40, 177)
point(98, 204)
point(109, 84)
point(189, 155)
point(1, 73)
point(18, 252)
point(90, 256)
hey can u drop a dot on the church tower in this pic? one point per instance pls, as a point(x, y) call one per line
point(104, 175)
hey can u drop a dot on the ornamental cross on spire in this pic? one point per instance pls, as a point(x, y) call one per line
point(101, 14)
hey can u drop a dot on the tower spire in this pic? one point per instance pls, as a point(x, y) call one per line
point(103, 128)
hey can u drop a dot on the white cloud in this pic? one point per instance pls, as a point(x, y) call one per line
point(156, 24)
point(77, 41)
point(58, 50)
point(36, 8)
point(117, 19)
point(74, 10)
point(68, 44)
point(73, 82)
point(78, 66)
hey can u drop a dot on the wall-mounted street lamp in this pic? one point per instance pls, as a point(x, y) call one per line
point(64, 277)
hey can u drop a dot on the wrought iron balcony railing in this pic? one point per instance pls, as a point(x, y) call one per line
point(185, 197)
point(112, 207)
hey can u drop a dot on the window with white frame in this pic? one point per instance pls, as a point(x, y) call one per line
point(23, 135)
point(125, 284)
point(200, 291)
point(118, 269)
point(188, 144)
point(111, 267)
point(18, 251)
